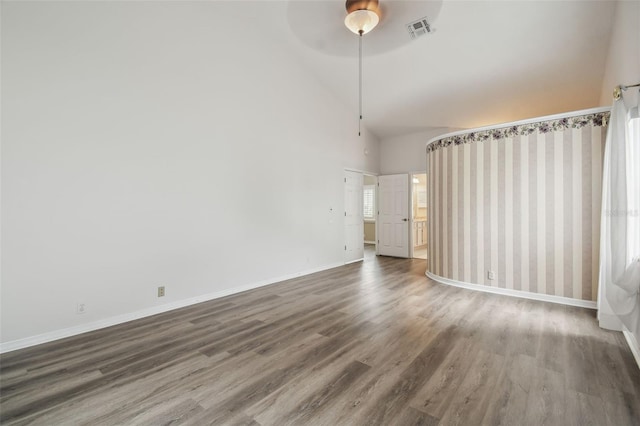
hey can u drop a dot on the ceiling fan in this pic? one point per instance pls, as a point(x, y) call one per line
point(400, 22)
point(320, 24)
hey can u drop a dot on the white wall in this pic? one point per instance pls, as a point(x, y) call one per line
point(622, 67)
point(623, 59)
point(407, 153)
point(138, 139)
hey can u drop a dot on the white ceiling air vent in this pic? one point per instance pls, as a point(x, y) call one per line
point(419, 28)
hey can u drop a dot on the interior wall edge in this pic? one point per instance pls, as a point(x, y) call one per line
point(364, 172)
point(609, 321)
point(120, 319)
point(514, 293)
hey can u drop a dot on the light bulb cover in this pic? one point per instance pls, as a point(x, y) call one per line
point(361, 20)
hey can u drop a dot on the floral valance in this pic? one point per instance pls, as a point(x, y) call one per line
point(577, 122)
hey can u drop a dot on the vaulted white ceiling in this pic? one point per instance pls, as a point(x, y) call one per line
point(487, 61)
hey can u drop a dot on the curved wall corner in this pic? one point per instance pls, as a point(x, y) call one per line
point(521, 200)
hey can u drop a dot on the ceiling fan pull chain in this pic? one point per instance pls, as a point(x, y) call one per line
point(360, 76)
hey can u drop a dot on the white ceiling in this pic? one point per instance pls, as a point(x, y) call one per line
point(487, 62)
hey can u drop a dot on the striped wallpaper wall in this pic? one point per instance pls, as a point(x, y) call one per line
point(522, 201)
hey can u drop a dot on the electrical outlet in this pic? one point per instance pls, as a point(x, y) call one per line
point(491, 275)
point(161, 291)
point(81, 308)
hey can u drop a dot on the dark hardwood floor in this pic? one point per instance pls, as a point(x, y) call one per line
point(373, 343)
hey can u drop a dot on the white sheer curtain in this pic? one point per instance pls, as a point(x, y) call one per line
point(620, 227)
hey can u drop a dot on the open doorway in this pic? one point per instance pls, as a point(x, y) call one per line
point(360, 216)
point(369, 210)
point(419, 215)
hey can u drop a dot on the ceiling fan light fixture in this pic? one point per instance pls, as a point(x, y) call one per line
point(361, 20)
point(362, 16)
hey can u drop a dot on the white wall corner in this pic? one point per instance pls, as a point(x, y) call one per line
point(623, 56)
point(609, 321)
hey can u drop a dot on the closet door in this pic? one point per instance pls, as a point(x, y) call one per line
point(353, 217)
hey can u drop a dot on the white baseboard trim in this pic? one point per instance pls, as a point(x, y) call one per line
point(514, 293)
point(354, 261)
point(119, 319)
point(633, 344)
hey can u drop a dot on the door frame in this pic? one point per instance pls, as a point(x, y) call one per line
point(375, 208)
point(412, 221)
point(363, 172)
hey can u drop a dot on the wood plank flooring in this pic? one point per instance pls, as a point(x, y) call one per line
point(373, 343)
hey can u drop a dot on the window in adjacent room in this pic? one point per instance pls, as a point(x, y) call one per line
point(369, 194)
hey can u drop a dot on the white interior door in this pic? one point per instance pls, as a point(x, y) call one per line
point(393, 215)
point(353, 217)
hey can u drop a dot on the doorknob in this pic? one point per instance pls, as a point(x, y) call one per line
point(405, 220)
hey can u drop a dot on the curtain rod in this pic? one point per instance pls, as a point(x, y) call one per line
point(617, 91)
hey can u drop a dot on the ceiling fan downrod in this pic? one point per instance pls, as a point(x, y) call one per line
point(362, 17)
